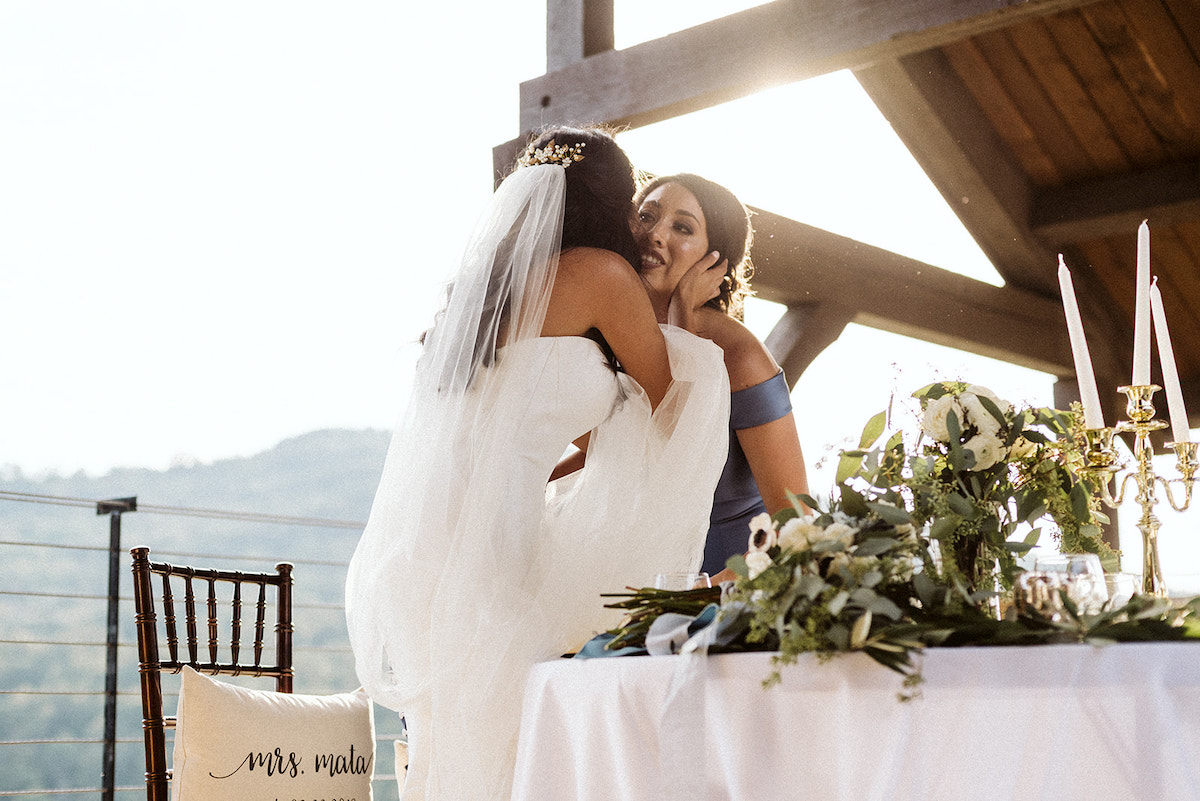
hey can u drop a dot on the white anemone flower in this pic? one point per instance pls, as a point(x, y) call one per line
point(988, 450)
point(762, 533)
point(934, 419)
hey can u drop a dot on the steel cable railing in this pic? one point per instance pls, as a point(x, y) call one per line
point(55, 692)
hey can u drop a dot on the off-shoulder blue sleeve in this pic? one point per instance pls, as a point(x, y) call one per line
point(760, 404)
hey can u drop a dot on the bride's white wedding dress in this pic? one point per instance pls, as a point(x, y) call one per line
point(507, 570)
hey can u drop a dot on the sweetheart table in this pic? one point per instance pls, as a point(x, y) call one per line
point(1038, 722)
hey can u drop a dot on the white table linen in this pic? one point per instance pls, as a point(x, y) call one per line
point(1043, 722)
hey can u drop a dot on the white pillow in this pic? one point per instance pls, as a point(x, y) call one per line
point(257, 745)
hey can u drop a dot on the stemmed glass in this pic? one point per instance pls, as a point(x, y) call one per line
point(1082, 576)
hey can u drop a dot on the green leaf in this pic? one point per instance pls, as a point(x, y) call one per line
point(943, 527)
point(737, 563)
point(784, 515)
point(890, 514)
point(1079, 502)
point(873, 430)
point(853, 503)
point(954, 427)
point(848, 467)
point(860, 630)
point(873, 546)
point(928, 591)
point(960, 505)
point(804, 498)
point(992, 409)
point(838, 602)
point(886, 607)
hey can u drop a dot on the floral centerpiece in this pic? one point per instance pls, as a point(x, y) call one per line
point(910, 547)
point(976, 472)
point(841, 581)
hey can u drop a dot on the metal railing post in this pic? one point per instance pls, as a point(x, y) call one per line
point(113, 509)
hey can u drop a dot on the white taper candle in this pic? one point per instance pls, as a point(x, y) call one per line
point(1141, 314)
point(1093, 416)
point(1166, 355)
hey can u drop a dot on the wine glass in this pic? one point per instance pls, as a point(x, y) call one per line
point(1122, 587)
point(1082, 575)
point(681, 581)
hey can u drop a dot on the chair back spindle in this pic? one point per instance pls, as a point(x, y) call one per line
point(151, 661)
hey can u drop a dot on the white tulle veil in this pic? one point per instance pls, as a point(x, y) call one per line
point(498, 297)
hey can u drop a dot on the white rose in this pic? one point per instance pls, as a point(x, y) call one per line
point(797, 534)
point(762, 533)
point(757, 562)
point(834, 531)
point(978, 415)
point(934, 419)
point(837, 562)
point(988, 450)
point(1004, 406)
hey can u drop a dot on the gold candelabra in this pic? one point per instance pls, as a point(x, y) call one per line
point(1101, 460)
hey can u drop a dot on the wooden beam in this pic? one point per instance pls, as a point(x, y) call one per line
point(737, 55)
point(947, 133)
point(577, 29)
point(803, 333)
point(1117, 204)
point(799, 265)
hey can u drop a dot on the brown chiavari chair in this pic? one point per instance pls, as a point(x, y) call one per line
point(204, 588)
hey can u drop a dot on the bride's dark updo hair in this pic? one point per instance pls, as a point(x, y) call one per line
point(600, 188)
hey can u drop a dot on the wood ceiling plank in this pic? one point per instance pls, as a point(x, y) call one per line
point(576, 29)
point(1065, 91)
point(1030, 98)
point(1128, 125)
point(1115, 34)
point(1169, 54)
point(976, 73)
point(1186, 14)
point(1173, 260)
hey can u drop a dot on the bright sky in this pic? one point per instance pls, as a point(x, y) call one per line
point(221, 222)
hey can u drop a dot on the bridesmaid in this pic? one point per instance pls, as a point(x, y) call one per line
point(682, 220)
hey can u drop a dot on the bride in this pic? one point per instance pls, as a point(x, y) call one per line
point(472, 566)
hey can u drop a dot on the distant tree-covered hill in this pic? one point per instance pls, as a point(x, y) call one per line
point(330, 473)
point(54, 575)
